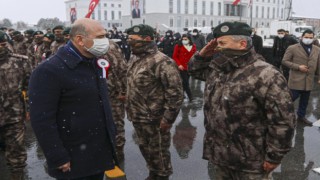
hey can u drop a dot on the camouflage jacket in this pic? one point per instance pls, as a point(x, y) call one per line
point(249, 114)
point(41, 53)
point(13, 74)
point(117, 74)
point(55, 46)
point(154, 87)
point(20, 47)
point(31, 54)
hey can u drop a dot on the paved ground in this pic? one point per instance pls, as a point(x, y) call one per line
point(186, 149)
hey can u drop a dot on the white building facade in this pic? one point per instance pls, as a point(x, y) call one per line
point(180, 14)
point(108, 12)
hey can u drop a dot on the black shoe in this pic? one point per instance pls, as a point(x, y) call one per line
point(152, 176)
point(162, 178)
point(305, 121)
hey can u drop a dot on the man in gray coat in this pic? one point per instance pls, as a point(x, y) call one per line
point(303, 60)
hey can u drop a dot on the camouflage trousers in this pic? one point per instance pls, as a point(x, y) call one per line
point(118, 114)
point(154, 146)
point(224, 173)
point(15, 152)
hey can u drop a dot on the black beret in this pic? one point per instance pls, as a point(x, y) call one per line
point(58, 27)
point(49, 36)
point(3, 37)
point(16, 33)
point(66, 31)
point(37, 33)
point(142, 30)
point(232, 28)
point(29, 31)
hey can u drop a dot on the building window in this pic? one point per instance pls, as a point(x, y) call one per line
point(112, 5)
point(257, 11)
point(186, 23)
point(195, 22)
point(273, 13)
point(112, 15)
point(219, 8)
point(211, 23)
point(195, 7)
point(203, 8)
point(231, 10)
point(281, 13)
point(120, 14)
point(262, 12)
point(171, 21)
point(119, 5)
point(170, 6)
point(93, 15)
point(268, 13)
point(179, 21)
point(105, 15)
point(179, 6)
point(211, 8)
point(105, 4)
point(203, 23)
point(186, 6)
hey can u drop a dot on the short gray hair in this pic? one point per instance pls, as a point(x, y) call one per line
point(78, 29)
point(241, 37)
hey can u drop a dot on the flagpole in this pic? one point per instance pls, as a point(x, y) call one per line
point(251, 5)
point(240, 10)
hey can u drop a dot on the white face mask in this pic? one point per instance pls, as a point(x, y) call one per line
point(194, 34)
point(307, 41)
point(185, 42)
point(280, 36)
point(99, 47)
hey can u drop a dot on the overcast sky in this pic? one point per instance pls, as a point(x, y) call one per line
point(31, 11)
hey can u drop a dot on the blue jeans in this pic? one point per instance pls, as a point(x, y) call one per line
point(303, 102)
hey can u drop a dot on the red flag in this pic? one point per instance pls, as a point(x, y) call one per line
point(92, 5)
point(236, 2)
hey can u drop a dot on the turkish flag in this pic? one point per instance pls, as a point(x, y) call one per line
point(236, 2)
point(92, 5)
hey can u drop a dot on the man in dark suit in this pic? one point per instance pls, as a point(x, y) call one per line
point(70, 109)
point(256, 41)
point(136, 10)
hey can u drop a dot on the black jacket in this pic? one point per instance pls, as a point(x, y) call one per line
point(71, 114)
point(257, 43)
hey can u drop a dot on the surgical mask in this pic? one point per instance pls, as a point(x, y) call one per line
point(307, 41)
point(99, 47)
point(194, 34)
point(281, 36)
point(185, 42)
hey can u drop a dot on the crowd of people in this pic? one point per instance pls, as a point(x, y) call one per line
point(76, 84)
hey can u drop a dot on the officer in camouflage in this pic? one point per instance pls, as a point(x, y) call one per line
point(66, 34)
point(28, 34)
point(19, 43)
point(154, 98)
point(117, 82)
point(12, 128)
point(59, 39)
point(38, 41)
point(249, 114)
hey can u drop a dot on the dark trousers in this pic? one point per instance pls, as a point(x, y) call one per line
point(303, 102)
point(185, 83)
point(99, 176)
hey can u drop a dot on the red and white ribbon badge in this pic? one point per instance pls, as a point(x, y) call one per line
point(104, 65)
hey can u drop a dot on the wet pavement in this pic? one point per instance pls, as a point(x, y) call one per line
point(186, 148)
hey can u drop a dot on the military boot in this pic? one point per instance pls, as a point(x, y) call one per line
point(162, 178)
point(120, 153)
point(305, 121)
point(17, 176)
point(152, 176)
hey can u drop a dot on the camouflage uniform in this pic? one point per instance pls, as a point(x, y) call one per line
point(249, 115)
point(154, 92)
point(55, 46)
point(41, 52)
point(20, 47)
point(117, 81)
point(12, 128)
